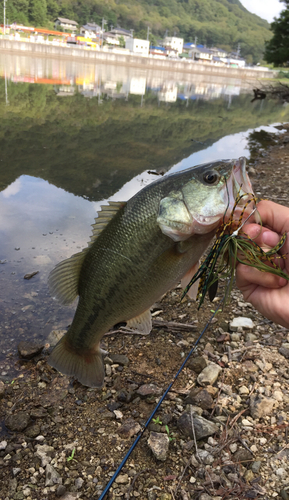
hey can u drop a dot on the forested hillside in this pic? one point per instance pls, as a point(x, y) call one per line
point(224, 23)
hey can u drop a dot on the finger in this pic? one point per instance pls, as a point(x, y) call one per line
point(261, 235)
point(249, 275)
point(274, 216)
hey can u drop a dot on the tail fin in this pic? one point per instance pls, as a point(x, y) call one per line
point(86, 367)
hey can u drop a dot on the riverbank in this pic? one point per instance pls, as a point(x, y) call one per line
point(133, 60)
point(62, 440)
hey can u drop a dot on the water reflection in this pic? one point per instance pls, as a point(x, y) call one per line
point(115, 82)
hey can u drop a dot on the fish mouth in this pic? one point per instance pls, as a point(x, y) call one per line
point(239, 186)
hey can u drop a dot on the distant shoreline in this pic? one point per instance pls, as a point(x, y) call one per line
point(133, 60)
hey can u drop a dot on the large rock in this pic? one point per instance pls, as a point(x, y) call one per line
point(209, 375)
point(159, 444)
point(202, 426)
point(17, 422)
point(261, 406)
point(28, 350)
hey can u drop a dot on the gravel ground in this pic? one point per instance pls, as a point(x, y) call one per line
point(221, 433)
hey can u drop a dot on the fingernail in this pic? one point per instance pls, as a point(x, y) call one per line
point(282, 282)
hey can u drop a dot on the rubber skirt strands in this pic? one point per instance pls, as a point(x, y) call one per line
point(233, 245)
point(109, 484)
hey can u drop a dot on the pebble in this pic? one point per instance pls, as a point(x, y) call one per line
point(209, 375)
point(51, 476)
point(197, 364)
point(159, 444)
point(149, 390)
point(129, 429)
point(260, 406)
point(122, 479)
point(241, 322)
point(202, 427)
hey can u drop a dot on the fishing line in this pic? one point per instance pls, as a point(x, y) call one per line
point(107, 488)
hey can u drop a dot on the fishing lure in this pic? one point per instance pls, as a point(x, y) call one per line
point(233, 245)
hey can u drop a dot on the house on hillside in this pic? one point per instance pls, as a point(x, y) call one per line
point(218, 52)
point(90, 30)
point(110, 38)
point(121, 32)
point(201, 54)
point(174, 43)
point(138, 46)
point(66, 24)
point(187, 47)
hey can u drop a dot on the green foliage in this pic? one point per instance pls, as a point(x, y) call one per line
point(277, 49)
point(224, 23)
point(38, 12)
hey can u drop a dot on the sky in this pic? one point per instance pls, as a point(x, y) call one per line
point(267, 9)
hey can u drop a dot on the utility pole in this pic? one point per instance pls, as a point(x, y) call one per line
point(132, 32)
point(196, 39)
point(104, 21)
point(148, 32)
point(238, 49)
point(4, 17)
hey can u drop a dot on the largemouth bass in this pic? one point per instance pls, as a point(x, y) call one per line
point(138, 251)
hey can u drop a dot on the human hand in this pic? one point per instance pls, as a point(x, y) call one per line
point(268, 293)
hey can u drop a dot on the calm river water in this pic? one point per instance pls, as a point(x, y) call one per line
point(73, 136)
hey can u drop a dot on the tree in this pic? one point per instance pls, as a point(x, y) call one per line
point(277, 49)
point(38, 12)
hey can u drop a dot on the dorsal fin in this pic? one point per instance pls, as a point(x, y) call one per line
point(63, 279)
point(105, 215)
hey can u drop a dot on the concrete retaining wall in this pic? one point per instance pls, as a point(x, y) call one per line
point(110, 57)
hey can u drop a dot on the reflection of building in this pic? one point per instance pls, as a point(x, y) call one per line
point(64, 91)
point(168, 94)
point(174, 43)
point(136, 85)
point(90, 30)
point(137, 46)
point(66, 24)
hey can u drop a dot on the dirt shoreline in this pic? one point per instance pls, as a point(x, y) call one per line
point(62, 440)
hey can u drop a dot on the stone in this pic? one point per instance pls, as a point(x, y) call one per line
point(2, 389)
point(122, 479)
point(42, 452)
point(201, 398)
point(54, 337)
point(261, 406)
point(243, 390)
point(197, 364)
point(256, 466)
point(3, 445)
point(241, 322)
point(119, 359)
point(284, 351)
point(202, 427)
point(18, 421)
point(78, 483)
point(29, 350)
point(159, 444)
point(33, 431)
point(209, 375)
point(243, 456)
point(147, 390)
point(129, 429)
point(52, 477)
point(206, 457)
point(60, 490)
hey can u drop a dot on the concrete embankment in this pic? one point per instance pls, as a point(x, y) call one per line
point(137, 61)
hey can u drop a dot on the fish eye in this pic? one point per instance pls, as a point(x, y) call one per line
point(211, 177)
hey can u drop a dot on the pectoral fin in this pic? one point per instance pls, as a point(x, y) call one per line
point(141, 323)
point(192, 293)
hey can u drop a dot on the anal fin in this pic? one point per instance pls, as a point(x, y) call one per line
point(141, 323)
point(192, 293)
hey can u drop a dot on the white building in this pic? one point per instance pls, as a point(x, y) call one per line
point(138, 46)
point(175, 43)
point(90, 30)
point(66, 24)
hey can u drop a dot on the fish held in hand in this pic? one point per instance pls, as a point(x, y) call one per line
point(138, 251)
